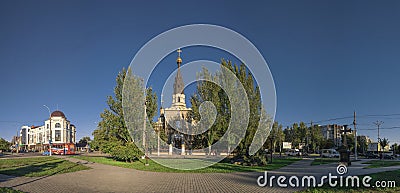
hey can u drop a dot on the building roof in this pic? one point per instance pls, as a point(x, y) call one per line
point(57, 114)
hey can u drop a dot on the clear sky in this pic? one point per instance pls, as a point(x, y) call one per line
point(328, 58)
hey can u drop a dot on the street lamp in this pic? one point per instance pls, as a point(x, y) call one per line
point(272, 148)
point(50, 138)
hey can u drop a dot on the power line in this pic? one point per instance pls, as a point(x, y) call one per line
point(334, 119)
point(380, 115)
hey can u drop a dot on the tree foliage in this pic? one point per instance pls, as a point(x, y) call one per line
point(84, 140)
point(112, 135)
point(4, 144)
point(209, 91)
point(383, 142)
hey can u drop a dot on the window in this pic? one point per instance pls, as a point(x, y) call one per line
point(47, 126)
point(58, 125)
point(58, 135)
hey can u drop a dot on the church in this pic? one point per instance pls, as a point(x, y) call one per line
point(176, 117)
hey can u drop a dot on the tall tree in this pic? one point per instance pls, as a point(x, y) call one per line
point(208, 91)
point(112, 135)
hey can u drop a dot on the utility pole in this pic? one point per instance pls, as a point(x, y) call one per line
point(144, 130)
point(308, 137)
point(51, 137)
point(16, 143)
point(378, 124)
point(355, 136)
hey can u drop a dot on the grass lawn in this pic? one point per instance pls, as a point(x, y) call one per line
point(38, 166)
point(382, 163)
point(9, 190)
point(216, 168)
point(320, 161)
point(382, 176)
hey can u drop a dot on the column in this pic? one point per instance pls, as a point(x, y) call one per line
point(170, 149)
point(183, 149)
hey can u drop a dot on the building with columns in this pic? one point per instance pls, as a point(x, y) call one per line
point(62, 133)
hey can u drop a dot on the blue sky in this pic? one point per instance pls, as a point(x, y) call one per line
point(328, 58)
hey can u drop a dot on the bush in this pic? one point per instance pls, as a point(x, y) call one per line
point(259, 159)
point(127, 152)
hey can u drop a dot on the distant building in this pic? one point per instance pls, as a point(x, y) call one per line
point(334, 133)
point(38, 137)
point(376, 147)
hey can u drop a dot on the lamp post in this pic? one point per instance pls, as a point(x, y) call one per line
point(158, 129)
point(50, 138)
point(272, 148)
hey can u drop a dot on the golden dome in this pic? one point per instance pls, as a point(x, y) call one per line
point(179, 60)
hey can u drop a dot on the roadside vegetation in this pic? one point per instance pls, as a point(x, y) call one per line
point(38, 166)
point(216, 168)
point(382, 163)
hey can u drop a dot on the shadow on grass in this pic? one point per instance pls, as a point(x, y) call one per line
point(30, 170)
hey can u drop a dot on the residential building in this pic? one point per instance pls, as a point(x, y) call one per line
point(334, 133)
point(37, 138)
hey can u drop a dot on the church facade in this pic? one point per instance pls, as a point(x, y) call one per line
point(174, 120)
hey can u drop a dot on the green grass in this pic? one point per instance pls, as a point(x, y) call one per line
point(382, 163)
point(216, 168)
point(38, 166)
point(320, 161)
point(8, 163)
point(381, 176)
point(9, 190)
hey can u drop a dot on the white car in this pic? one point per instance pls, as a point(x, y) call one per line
point(293, 152)
point(331, 153)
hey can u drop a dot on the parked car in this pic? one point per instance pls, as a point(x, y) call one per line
point(387, 156)
point(330, 153)
point(370, 155)
point(46, 153)
point(293, 152)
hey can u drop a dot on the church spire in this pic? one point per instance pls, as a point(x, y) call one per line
point(178, 84)
point(179, 59)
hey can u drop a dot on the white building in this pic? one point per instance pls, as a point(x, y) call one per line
point(38, 137)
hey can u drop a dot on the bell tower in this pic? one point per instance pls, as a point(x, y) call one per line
point(178, 98)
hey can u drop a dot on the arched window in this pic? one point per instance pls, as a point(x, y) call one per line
point(58, 125)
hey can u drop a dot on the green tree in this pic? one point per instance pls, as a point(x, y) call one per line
point(317, 140)
point(112, 135)
point(277, 136)
point(383, 142)
point(84, 140)
point(208, 91)
point(4, 145)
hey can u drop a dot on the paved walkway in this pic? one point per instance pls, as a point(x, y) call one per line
point(105, 178)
